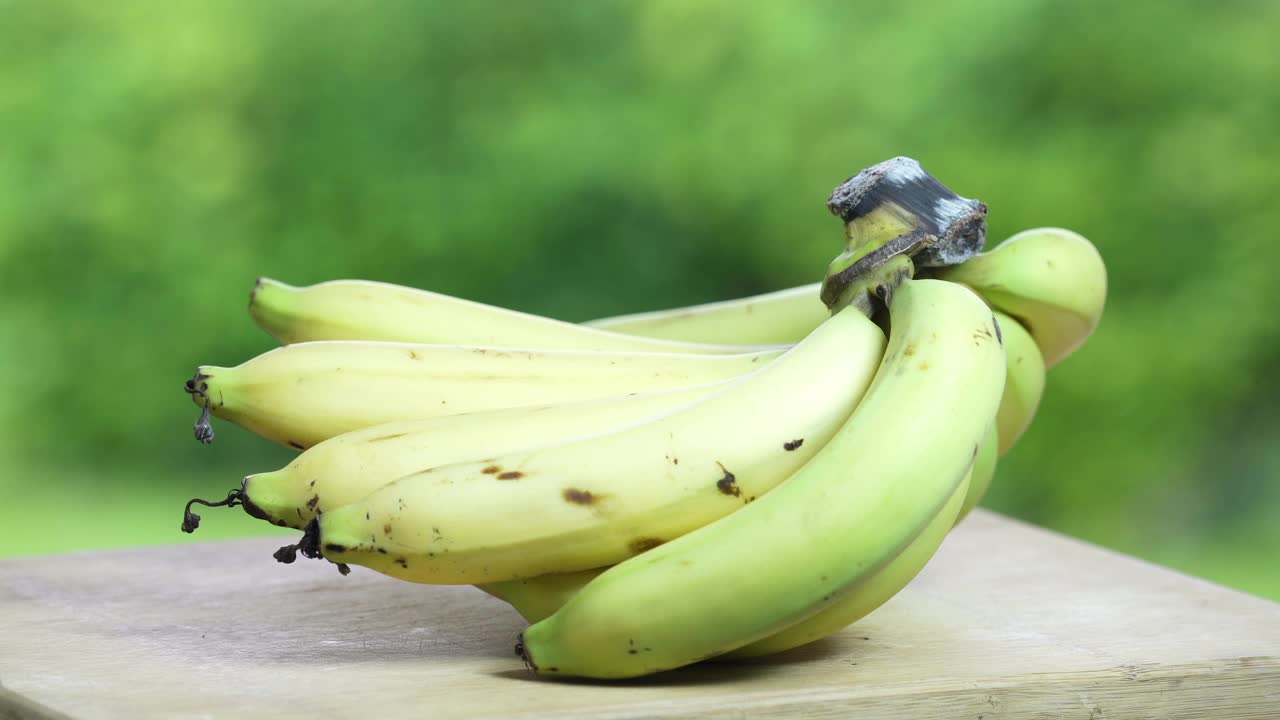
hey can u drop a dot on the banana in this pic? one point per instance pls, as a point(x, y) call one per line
point(343, 469)
point(1023, 385)
point(598, 500)
point(540, 597)
point(984, 470)
point(300, 395)
point(1052, 280)
point(865, 496)
point(783, 316)
point(869, 593)
point(367, 310)
point(1023, 388)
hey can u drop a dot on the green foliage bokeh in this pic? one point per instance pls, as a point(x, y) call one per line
point(581, 159)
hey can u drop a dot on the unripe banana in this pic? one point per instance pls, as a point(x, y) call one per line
point(784, 316)
point(1052, 280)
point(367, 310)
point(300, 395)
point(540, 597)
point(343, 469)
point(984, 469)
point(598, 500)
point(1024, 384)
point(536, 598)
point(871, 490)
point(869, 593)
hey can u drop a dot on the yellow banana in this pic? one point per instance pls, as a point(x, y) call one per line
point(984, 469)
point(540, 597)
point(343, 469)
point(598, 500)
point(300, 395)
point(367, 310)
point(783, 316)
point(869, 593)
point(868, 493)
point(1024, 385)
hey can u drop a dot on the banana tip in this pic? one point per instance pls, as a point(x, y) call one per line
point(257, 285)
point(522, 651)
point(198, 389)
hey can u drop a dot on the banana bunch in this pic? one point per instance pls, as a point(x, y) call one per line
point(719, 481)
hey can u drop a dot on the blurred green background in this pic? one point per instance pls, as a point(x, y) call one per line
point(581, 159)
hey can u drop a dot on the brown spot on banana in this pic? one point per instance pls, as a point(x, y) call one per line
point(644, 544)
point(580, 497)
point(382, 438)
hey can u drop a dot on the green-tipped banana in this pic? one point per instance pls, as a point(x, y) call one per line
point(300, 395)
point(540, 597)
point(1024, 385)
point(984, 470)
point(1052, 280)
point(869, 593)
point(870, 491)
point(367, 310)
point(343, 469)
point(601, 499)
point(784, 316)
point(1023, 388)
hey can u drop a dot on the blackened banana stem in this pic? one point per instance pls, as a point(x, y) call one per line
point(896, 209)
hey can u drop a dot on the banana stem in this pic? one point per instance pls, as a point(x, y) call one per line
point(903, 245)
point(309, 546)
point(872, 293)
point(896, 209)
point(191, 521)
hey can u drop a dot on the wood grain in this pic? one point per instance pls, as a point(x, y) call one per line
point(1008, 621)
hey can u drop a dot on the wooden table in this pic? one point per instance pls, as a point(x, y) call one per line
point(1008, 621)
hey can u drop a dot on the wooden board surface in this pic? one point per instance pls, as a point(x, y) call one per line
point(1008, 621)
